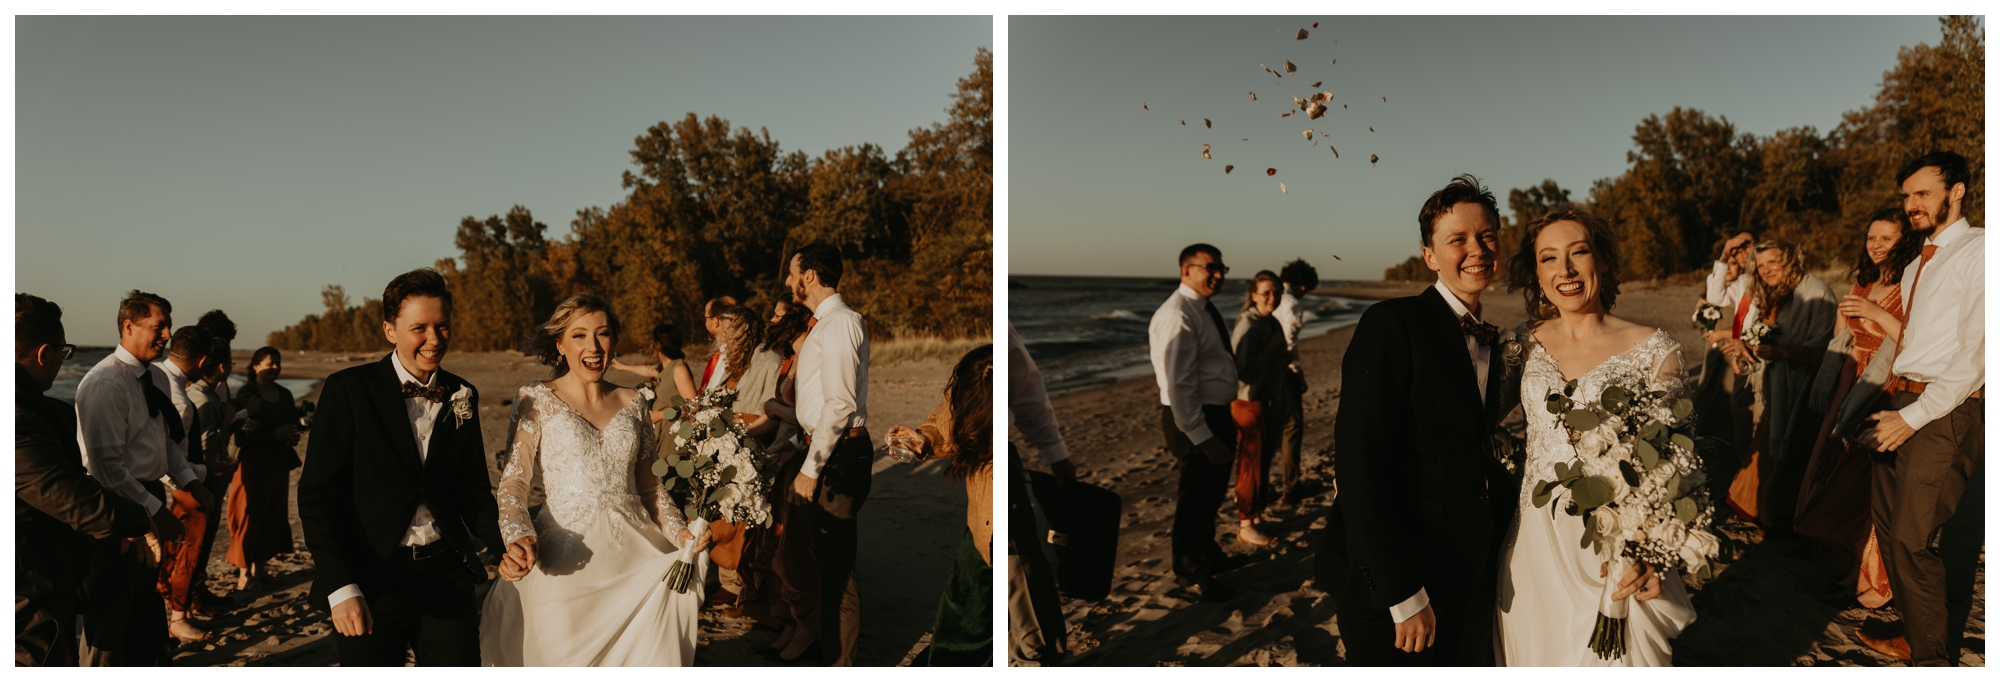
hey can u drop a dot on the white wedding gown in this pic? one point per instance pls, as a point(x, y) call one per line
point(598, 595)
point(1549, 588)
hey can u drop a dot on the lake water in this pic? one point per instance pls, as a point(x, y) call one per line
point(1084, 331)
point(73, 370)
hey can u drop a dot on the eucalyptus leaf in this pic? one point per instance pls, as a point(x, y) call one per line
point(687, 430)
point(1587, 533)
point(1685, 443)
point(1581, 420)
point(1705, 573)
point(1590, 492)
point(660, 468)
point(1682, 408)
point(729, 473)
point(1562, 470)
point(677, 401)
point(1541, 496)
point(1569, 389)
point(1648, 455)
point(1674, 484)
point(1613, 399)
point(1684, 509)
point(1650, 431)
point(1631, 475)
point(685, 469)
point(692, 512)
point(1555, 405)
point(673, 483)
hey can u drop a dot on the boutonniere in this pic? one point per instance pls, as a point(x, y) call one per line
point(1512, 352)
point(461, 404)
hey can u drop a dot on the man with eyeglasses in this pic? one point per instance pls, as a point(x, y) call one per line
point(58, 509)
point(1197, 373)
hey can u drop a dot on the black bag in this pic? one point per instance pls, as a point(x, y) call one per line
point(1083, 532)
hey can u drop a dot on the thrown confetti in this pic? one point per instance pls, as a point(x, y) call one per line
point(1289, 68)
point(1373, 158)
point(1253, 97)
point(1316, 83)
point(1206, 124)
point(1333, 62)
point(1309, 133)
point(1315, 24)
point(1184, 121)
point(1371, 129)
point(1270, 171)
point(1204, 154)
point(1282, 190)
point(1284, 114)
point(1336, 152)
point(1385, 99)
point(1316, 110)
point(1302, 34)
point(1226, 169)
point(1335, 256)
point(1143, 105)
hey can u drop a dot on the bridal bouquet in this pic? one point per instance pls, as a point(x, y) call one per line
point(1706, 316)
point(1637, 481)
point(713, 467)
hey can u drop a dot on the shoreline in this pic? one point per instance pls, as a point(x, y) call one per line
point(1771, 604)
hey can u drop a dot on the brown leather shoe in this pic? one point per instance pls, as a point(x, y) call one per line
point(1893, 647)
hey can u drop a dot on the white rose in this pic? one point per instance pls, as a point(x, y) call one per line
point(1632, 516)
point(1668, 532)
point(1607, 523)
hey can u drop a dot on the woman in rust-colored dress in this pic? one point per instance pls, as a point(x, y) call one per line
point(260, 523)
point(1833, 506)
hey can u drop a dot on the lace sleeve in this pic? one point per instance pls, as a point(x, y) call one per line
point(659, 502)
point(1670, 368)
point(524, 440)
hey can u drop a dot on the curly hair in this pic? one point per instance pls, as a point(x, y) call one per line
point(970, 393)
point(778, 337)
point(748, 330)
point(1603, 249)
point(1866, 271)
point(1772, 298)
point(544, 341)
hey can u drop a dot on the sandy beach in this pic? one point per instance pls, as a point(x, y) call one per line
point(910, 531)
point(1771, 604)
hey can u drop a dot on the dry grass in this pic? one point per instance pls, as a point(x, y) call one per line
point(920, 349)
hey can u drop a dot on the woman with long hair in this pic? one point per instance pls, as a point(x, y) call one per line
point(1262, 380)
point(1833, 503)
point(260, 520)
point(667, 342)
point(790, 552)
point(1800, 310)
point(960, 432)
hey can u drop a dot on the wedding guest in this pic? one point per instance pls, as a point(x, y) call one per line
point(960, 432)
point(711, 314)
point(1263, 391)
point(739, 332)
point(180, 571)
point(1801, 310)
point(58, 508)
point(667, 341)
point(1833, 508)
point(1299, 277)
point(1192, 360)
point(1721, 413)
point(221, 467)
point(127, 427)
point(217, 425)
point(260, 524)
point(833, 409)
point(223, 330)
point(1927, 499)
point(791, 560)
point(1036, 634)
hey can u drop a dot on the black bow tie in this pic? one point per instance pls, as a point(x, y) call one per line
point(435, 393)
point(1485, 333)
point(157, 404)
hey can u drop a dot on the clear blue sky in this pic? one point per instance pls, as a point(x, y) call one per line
point(244, 163)
point(1100, 186)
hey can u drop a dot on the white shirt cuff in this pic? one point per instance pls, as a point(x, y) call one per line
point(1201, 434)
point(1913, 414)
point(1406, 610)
point(345, 593)
point(1054, 453)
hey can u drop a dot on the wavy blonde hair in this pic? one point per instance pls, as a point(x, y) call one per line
point(748, 329)
point(1771, 298)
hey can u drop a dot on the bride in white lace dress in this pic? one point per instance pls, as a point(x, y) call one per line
point(585, 579)
point(1550, 585)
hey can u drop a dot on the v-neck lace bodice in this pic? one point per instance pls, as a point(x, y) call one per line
point(1656, 363)
point(585, 470)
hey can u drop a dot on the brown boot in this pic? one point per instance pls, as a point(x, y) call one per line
point(1893, 647)
point(185, 631)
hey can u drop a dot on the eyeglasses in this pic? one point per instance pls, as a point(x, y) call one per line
point(1217, 268)
point(69, 350)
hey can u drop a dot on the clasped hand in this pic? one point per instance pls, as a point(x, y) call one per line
point(520, 558)
point(1640, 582)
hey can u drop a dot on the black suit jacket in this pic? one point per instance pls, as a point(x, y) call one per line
point(58, 507)
point(363, 479)
point(1421, 500)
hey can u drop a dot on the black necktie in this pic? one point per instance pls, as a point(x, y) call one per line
point(1215, 316)
point(158, 404)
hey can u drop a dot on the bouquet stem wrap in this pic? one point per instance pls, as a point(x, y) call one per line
point(1608, 638)
point(681, 576)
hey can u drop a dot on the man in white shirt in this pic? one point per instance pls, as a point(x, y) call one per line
point(1196, 371)
point(1036, 634)
point(127, 426)
point(1937, 427)
point(1299, 277)
point(832, 384)
point(187, 357)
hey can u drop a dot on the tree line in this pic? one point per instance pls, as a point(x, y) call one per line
point(715, 210)
point(1694, 179)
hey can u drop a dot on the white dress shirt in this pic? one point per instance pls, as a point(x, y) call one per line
point(1028, 402)
point(1723, 292)
point(422, 413)
point(122, 443)
point(720, 375)
point(177, 391)
point(1944, 341)
point(1191, 360)
point(1291, 318)
point(832, 380)
point(1481, 356)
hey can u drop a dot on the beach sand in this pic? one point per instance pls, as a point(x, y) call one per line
point(1770, 604)
point(910, 530)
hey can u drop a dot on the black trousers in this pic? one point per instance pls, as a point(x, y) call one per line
point(1292, 417)
point(1203, 486)
point(1930, 487)
point(125, 621)
point(836, 512)
point(421, 604)
point(1464, 629)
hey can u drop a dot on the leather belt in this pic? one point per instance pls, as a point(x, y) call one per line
point(856, 432)
point(422, 552)
point(1902, 385)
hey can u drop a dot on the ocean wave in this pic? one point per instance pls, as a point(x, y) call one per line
point(1118, 315)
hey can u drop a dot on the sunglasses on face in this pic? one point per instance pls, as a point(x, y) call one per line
point(1216, 268)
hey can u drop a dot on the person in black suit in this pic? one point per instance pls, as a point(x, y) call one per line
point(396, 505)
point(1421, 501)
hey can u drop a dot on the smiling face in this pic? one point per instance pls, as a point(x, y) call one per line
point(1203, 273)
point(1464, 244)
point(267, 370)
point(1566, 268)
point(1931, 205)
point(586, 344)
point(1771, 266)
point(1265, 298)
point(796, 279)
point(421, 333)
point(146, 338)
point(1882, 238)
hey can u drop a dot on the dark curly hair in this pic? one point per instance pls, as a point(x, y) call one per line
point(1603, 249)
point(970, 393)
point(1890, 271)
point(543, 340)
